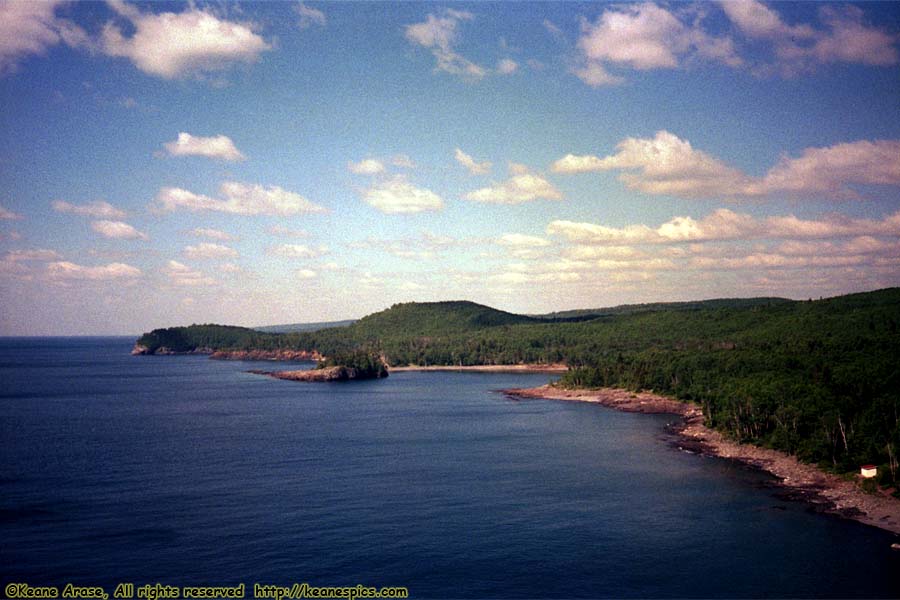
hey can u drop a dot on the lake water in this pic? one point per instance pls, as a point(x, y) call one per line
point(188, 471)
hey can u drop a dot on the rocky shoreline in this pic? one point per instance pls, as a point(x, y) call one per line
point(825, 492)
point(328, 374)
point(274, 355)
point(524, 368)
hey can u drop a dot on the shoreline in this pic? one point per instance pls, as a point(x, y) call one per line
point(526, 368)
point(826, 492)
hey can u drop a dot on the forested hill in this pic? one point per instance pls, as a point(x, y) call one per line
point(627, 309)
point(820, 379)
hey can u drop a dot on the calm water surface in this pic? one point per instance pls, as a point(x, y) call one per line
point(188, 471)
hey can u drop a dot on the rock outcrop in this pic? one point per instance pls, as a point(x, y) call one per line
point(142, 350)
point(282, 354)
point(339, 373)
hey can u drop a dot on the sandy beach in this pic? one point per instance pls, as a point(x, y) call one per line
point(826, 492)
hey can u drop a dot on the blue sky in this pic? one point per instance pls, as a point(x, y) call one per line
point(258, 163)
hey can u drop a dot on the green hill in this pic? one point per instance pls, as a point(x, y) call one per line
point(436, 318)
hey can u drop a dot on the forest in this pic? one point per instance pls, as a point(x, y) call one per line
point(819, 378)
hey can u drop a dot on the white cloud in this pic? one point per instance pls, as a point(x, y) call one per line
point(309, 16)
point(666, 164)
point(305, 273)
point(239, 199)
point(439, 34)
point(282, 231)
point(297, 251)
point(399, 196)
point(724, 224)
point(213, 234)
point(32, 28)
point(850, 40)
point(369, 166)
point(182, 275)
point(97, 208)
point(475, 168)
point(403, 161)
point(523, 186)
point(522, 240)
point(208, 250)
point(118, 230)
point(172, 45)
point(39, 254)
point(11, 264)
point(228, 267)
point(595, 75)
point(507, 66)
point(800, 48)
point(757, 20)
point(64, 270)
point(219, 146)
point(645, 36)
point(830, 169)
point(8, 215)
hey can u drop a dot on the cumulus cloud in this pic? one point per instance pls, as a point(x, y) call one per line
point(309, 16)
point(118, 230)
point(798, 48)
point(172, 45)
point(475, 168)
point(208, 250)
point(64, 270)
point(182, 275)
point(213, 234)
point(643, 37)
point(830, 169)
point(238, 199)
point(368, 166)
point(725, 224)
point(8, 215)
point(399, 196)
point(439, 34)
point(32, 28)
point(297, 251)
point(667, 164)
point(219, 146)
point(97, 208)
point(523, 186)
point(306, 273)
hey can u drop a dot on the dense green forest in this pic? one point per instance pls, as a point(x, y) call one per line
point(819, 379)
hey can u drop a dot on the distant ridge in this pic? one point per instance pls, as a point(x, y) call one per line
point(628, 309)
point(294, 327)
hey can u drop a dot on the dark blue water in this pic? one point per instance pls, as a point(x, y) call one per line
point(188, 471)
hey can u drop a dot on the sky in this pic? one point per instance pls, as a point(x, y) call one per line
point(172, 163)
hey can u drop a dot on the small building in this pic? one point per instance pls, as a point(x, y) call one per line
point(868, 471)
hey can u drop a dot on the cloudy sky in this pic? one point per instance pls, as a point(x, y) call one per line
point(261, 163)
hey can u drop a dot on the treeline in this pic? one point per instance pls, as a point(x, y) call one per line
point(819, 379)
point(366, 364)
